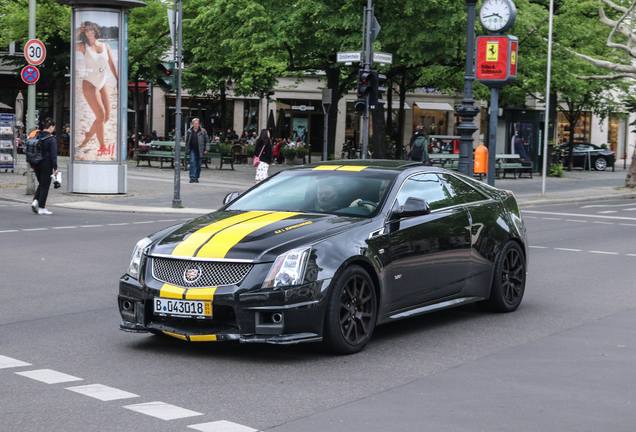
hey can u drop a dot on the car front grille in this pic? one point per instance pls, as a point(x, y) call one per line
point(208, 274)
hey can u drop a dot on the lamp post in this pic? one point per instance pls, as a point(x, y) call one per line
point(467, 110)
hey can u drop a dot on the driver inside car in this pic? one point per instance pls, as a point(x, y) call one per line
point(326, 197)
point(372, 205)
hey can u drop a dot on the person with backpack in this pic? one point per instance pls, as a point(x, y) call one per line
point(419, 146)
point(42, 156)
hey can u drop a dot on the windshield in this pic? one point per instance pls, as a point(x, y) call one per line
point(355, 193)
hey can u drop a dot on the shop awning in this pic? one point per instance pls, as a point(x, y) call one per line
point(396, 105)
point(439, 106)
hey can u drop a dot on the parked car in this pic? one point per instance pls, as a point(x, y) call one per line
point(599, 158)
point(326, 252)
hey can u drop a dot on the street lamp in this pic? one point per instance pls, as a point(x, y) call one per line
point(467, 110)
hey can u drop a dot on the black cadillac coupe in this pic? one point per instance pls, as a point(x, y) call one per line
point(325, 252)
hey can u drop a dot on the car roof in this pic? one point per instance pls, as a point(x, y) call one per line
point(384, 164)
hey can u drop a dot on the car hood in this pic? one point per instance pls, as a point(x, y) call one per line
point(258, 236)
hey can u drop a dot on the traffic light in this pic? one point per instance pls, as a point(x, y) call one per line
point(377, 90)
point(364, 89)
point(166, 78)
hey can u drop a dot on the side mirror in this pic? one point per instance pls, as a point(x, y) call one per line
point(230, 197)
point(412, 207)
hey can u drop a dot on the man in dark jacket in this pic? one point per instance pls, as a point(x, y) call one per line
point(46, 167)
point(197, 143)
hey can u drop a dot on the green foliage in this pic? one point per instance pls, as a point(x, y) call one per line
point(289, 153)
point(556, 170)
point(249, 150)
point(301, 152)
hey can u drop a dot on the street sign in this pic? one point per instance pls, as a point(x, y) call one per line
point(35, 52)
point(30, 74)
point(349, 56)
point(383, 58)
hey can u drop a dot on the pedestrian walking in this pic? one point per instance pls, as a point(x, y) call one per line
point(263, 151)
point(197, 143)
point(419, 146)
point(46, 167)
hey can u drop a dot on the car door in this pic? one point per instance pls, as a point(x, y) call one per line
point(430, 254)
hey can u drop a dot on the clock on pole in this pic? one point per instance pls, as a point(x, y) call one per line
point(497, 16)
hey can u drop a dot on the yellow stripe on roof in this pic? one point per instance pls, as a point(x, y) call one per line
point(351, 168)
point(200, 293)
point(221, 243)
point(189, 246)
point(326, 167)
point(202, 338)
point(171, 291)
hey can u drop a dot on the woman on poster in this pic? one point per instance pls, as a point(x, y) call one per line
point(97, 57)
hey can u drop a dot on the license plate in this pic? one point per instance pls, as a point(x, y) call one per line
point(183, 308)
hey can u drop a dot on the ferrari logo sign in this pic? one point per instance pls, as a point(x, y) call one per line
point(513, 58)
point(492, 51)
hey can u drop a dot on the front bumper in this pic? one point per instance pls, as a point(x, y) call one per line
point(252, 315)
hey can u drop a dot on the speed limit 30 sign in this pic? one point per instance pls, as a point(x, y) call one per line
point(35, 52)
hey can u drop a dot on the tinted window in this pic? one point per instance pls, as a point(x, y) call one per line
point(462, 193)
point(428, 187)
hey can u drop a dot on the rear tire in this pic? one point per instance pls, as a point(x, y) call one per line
point(600, 163)
point(509, 280)
point(351, 312)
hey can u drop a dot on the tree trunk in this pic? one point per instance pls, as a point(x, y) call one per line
point(401, 115)
point(553, 117)
point(224, 110)
point(389, 119)
point(60, 87)
point(379, 133)
point(630, 180)
point(333, 81)
point(135, 108)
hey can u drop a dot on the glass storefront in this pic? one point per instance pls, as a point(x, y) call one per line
point(250, 116)
point(301, 118)
point(433, 121)
point(207, 110)
point(612, 132)
point(582, 127)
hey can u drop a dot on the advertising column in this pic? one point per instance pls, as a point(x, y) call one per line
point(99, 85)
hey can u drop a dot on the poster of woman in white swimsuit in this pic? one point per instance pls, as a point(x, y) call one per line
point(96, 86)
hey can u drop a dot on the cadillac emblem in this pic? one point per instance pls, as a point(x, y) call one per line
point(192, 274)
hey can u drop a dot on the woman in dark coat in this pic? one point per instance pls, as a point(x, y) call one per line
point(263, 150)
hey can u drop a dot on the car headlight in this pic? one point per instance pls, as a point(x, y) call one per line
point(135, 260)
point(288, 269)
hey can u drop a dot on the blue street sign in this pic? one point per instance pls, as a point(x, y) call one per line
point(30, 74)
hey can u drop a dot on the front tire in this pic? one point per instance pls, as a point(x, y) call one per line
point(509, 280)
point(351, 312)
point(600, 163)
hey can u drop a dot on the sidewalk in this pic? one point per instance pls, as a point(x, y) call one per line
point(151, 190)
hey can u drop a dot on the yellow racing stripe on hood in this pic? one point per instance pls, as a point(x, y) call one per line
point(351, 168)
point(221, 243)
point(171, 291)
point(189, 246)
point(200, 293)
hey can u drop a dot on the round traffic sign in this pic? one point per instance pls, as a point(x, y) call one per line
point(30, 74)
point(35, 52)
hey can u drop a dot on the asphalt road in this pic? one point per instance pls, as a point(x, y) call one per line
point(563, 361)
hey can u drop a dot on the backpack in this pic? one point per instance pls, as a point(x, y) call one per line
point(420, 150)
point(33, 150)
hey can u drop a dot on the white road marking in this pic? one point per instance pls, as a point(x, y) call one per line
point(90, 226)
point(627, 224)
point(162, 410)
point(569, 250)
point(607, 205)
point(531, 217)
point(7, 231)
point(168, 220)
point(579, 215)
point(221, 426)
point(606, 253)
point(603, 223)
point(49, 376)
point(552, 219)
point(8, 362)
point(538, 247)
point(35, 229)
point(631, 209)
point(102, 392)
point(66, 227)
point(119, 224)
point(608, 211)
point(574, 220)
point(143, 222)
point(634, 255)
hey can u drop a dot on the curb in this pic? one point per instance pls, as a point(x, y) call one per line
point(538, 200)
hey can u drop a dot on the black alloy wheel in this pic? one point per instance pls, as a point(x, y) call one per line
point(351, 312)
point(509, 280)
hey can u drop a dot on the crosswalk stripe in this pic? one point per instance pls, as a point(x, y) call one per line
point(49, 376)
point(102, 392)
point(221, 426)
point(8, 362)
point(162, 410)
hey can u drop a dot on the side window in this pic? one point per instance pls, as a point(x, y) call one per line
point(425, 186)
point(462, 193)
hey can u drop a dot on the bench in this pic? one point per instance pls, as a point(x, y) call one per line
point(216, 153)
point(515, 168)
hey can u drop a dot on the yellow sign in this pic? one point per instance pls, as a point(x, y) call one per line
point(513, 57)
point(492, 51)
